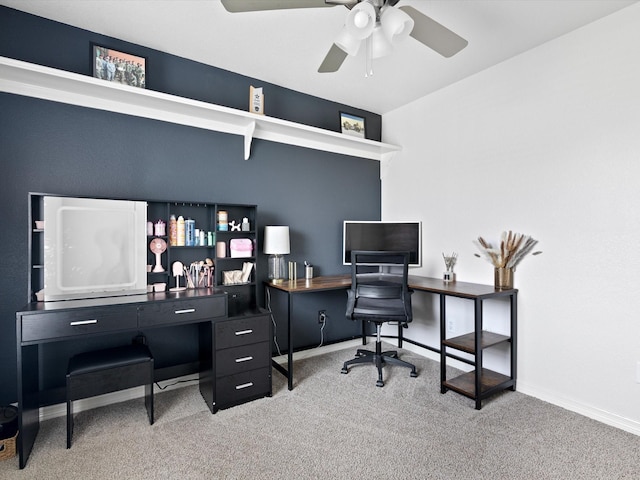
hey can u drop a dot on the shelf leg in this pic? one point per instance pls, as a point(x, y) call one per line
point(443, 348)
point(514, 339)
point(478, 352)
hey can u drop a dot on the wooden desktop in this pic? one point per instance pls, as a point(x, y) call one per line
point(477, 384)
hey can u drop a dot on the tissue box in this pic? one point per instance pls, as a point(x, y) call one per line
point(241, 248)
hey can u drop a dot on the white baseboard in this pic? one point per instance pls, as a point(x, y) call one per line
point(589, 411)
point(602, 416)
point(313, 352)
point(60, 409)
point(597, 414)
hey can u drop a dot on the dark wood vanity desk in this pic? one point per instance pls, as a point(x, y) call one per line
point(477, 384)
point(220, 337)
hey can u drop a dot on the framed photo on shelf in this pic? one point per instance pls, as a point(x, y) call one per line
point(118, 67)
point(352, 125)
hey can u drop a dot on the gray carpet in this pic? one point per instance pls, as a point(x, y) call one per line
point(338, 427)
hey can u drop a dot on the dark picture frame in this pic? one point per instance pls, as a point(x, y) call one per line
point(118, 67)
point(351, 124)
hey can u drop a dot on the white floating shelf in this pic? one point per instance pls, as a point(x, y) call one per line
point(23, 78)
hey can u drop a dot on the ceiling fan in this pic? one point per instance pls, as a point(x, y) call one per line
point(379, 24)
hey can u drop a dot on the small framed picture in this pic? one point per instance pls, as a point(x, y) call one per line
point(119, 67)
point(352, 125)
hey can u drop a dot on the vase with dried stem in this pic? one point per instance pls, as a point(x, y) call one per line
point(449, 263)
point(507, 255)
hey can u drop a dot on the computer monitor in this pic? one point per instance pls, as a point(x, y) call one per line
point(382, 235)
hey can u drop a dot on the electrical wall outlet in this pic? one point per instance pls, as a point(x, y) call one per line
point(322, 316)
point(450, 326)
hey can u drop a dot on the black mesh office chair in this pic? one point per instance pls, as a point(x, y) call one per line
point(379, 293)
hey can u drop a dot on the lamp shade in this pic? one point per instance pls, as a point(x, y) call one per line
point(396, 24)
point(361, 20)
point(276, 240)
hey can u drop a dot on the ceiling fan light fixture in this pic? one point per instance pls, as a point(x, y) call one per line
point(361, 20)
point(347, 42)
point(396, 24)
point(381, 46)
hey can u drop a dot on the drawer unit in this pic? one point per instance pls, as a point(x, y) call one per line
point(242, 387)
point(69, 323)
point(242, 331)
point(185, 310)
point(240, 359)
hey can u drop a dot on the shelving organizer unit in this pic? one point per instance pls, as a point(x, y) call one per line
point(241, 296)
point(23, 78)
point(481, 382)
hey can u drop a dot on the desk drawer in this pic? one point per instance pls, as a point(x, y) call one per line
point(242, 359)
point(234, 389)
point(242, 331)
point(179, 311)
point(56, 325)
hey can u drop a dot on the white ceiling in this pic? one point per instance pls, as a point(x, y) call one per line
point(285, 47)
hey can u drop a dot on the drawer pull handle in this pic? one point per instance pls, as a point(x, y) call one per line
point(186, 310)
point(244, 332)
point(244, 385)
point(83, 322)
point(243, 359)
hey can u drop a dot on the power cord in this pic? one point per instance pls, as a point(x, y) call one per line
point(174, 383)
point(322, 333)
point(273, 320)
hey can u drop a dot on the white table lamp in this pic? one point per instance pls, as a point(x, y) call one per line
point(276, 244)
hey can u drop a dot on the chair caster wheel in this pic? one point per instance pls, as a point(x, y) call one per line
point(344, 370)
point(413, 374)
point(379, 383)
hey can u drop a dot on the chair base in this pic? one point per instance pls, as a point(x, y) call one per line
point(379, 359)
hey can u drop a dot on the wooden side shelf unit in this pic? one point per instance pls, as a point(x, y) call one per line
point(481, 382)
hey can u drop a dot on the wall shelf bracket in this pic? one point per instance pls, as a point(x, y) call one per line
point(248, 137)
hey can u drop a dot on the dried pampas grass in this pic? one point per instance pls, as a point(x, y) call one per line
point(512, 249)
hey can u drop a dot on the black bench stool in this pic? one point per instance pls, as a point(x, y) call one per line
point(105, 371)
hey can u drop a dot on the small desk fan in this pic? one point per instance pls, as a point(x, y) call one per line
point(158, 247)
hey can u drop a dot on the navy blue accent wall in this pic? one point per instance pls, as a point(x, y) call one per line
point(61, 149)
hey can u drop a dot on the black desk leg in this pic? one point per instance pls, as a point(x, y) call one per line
point(289, 342)
point(28, 401)
point(287, 372)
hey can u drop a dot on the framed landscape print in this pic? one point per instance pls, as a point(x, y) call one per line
point(352, 125)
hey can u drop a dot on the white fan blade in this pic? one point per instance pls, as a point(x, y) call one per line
point(435, 36)
point(236, 6)
point(333, 61)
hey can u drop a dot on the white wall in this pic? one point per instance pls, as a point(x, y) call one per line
point(547, 144)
